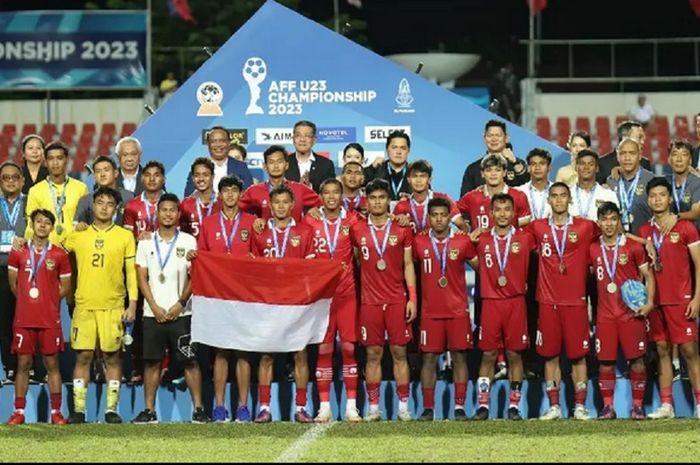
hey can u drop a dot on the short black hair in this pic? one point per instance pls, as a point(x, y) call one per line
point(377, 185)
point(240, 148)
point(587, 153)
point(7, 163)
point(229, 181)
point(398, 134)
point(560, 184)
point(539, 152)
point(308, 124)
point(494, 159)
point(283, 189)
point(169, 197)
point(57, 145)
point(274, 149)
point(329, 181)
point(356, 146)
point(421, 166)
point(495, 123)
point(104, 159)
point(607, 208)
point(624, 128)
point(48, 214)
point(153, 164)
point(659, 181)
point(502, 197)
point(205, 161)
point(109, 192)
point(216, 128)
point(437, 202)
point(680, 144)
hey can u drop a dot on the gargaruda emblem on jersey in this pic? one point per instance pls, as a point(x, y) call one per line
point(454, 254)
point(346, 230)
point(180, 251)
point(686, 198)
point(99, 243)
point(295, 241)
point(515, 247)
point(675, 237)
point(573, 236)
point(623, 259)
point(393, 240)
point(244, 235)
point(50, 264)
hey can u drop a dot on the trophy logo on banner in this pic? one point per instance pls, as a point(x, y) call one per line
point(209, 96)
point(404, 98)
point(254, 73)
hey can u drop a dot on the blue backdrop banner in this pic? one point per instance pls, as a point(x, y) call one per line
point(73, 49)
point(281, 67)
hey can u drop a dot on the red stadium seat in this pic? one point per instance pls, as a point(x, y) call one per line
point(48, 132)
point(88, 128)
point(662, 141)
point(9, 130)
point(4, 151)
point(662, 126)
point(544, 130)
point(563, 130)
point(646, 150)
point(681, 124)
point(108, 129)
point(68, 133)
point(129, 128)
point(620, 119)
point(583, 124)
point(602, 129)
point(28, 129)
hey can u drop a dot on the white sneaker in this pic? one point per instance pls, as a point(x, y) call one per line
point(352, 415)
point(554, 413)
point(373, 415)
point(665, 411)
point(580, 413)
point(404, 415)
point(697, 411)
point(501, 371)
point(324, 415)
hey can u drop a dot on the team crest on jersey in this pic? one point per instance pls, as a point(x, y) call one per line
point(264, 203)
point(515, 247)
point(317, 232)
point(686, 198)
point(393, 240)
point(640, 189)
point(295, 241)
point(180, 251)
point(454, 254)
point(50, 264)
point(675, 237)
point(244, 235)
point(345, 229)
point(99, 243)
point(623, 259)
point(573, 236)
point(218, 235)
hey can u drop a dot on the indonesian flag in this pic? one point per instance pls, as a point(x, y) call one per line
point(182, 9)
point(536, 6)
point(261, 305)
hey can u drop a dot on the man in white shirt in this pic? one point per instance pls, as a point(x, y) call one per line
point(129, 154)
point(642, 111)
point(164, 281)
point(587, 195)
point(539, 164)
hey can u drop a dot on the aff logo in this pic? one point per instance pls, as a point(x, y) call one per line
point(254, 73)
point(404, 98)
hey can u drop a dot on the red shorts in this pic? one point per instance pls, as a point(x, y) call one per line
point(568, 324)
point(630, 335)
point(378, 321)
point(25, 340)
point(343, 319)
point(668, 323)
point(438, 335)
point(503, 324)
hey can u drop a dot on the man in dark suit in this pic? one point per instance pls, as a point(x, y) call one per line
point(305, 166)
point(395, 169)
point(696, 150)
point(129, 154)
point(606, 163)
point(218, 142)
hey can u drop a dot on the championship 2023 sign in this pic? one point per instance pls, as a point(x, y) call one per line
point(73, 49)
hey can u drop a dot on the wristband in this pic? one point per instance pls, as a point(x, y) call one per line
point(182, 302)
point(412, 295)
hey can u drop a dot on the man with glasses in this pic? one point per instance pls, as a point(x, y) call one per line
point(305, 165)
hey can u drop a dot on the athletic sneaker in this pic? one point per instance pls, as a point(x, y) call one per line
point(352, 415)
point(324, 415)
point(404, 415)
point(608, 413)
point(665, 411)
point(76, 418)
point(514, 414)
point(57, 418)
point(461, 415)
point(220, 414)
point(580, 413)
point(17, 418)
point(427, 415)
point(145, 417)
point(301, 416)
point(198, 416)
point(243, 414)
point(112, 417)
point(482, 413)
point(264, 416)
point(10, 379)
point(501, 371)
point(553, 413)
point(373, 415)
point(638, 413)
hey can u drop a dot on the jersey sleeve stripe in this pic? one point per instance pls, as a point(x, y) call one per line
point(13, 268)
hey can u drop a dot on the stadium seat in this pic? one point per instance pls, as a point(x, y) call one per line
point(602, 134)
point(648, 141)
point(583, 123)
point(9, 129)
point(129, 128)
point(563, 130)
point(88, 128)
point(662, 141)
point(680, 122)
point(544, 130)
point(27, 129)
point(620, 119)
point(68, 133)
point(48, 132)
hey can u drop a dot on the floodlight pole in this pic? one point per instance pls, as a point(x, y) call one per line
point(531, 47)
point(336, 15)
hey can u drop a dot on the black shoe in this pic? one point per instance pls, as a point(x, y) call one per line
point(10, 377)
point(461, 415)
point(482, 413)
point(198, 416)
point(427, 415)
point(514, 414)
point(147, 416)
point(112, 417)
point(76, 418)
point(32, 378)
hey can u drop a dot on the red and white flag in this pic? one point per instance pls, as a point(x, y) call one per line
point(261, 305)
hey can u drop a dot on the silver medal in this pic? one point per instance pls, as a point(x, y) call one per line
point(502, 281)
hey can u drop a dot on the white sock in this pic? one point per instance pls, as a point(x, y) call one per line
point(373, 407)
point(403, 405)
point(325, 406)
point(299, 408)
point(264, 407)
point(352, 404)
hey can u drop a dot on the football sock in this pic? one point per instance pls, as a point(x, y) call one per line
point(606, 382)
point(552, 393)
point(349, 369)
point(113, 395)
point(638, 380)
point(56, 400)
point(484, 390)
point(301, 398)
point(79, 395)
point(373, 395)
point(460, 394)
point(428, 398)
point(515, 393)
point(402, 391)
point(324, 371)
point(666, 394)
point(696, 392)
point(20, 403)
point(264, 397)
point(580, 392)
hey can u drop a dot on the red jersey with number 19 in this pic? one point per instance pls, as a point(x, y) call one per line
point(555, 287)
point(476, 205)
point(189, 215)
point(403, 207)
point(43, 311)
point(450, 301)
point(211, 238)
point(382, 286)
point(137, 214)
point(256, 199)
point(516, 269)
point(300, 242)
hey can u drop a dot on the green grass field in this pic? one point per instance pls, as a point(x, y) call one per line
point(531, 441)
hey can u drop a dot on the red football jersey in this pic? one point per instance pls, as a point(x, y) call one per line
point(300, 242)
point(436, 301)
point(516, 270)
point(256, 199)
point(673, 282)
point(343, 247)
point(43, 311)
point(357, 204)
point(211, 238)
point(631, 257)
point(569, 287)
point(387, 286)
point(419, 219)
point(476, 205)
point(190, 220)
point(140, 215)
